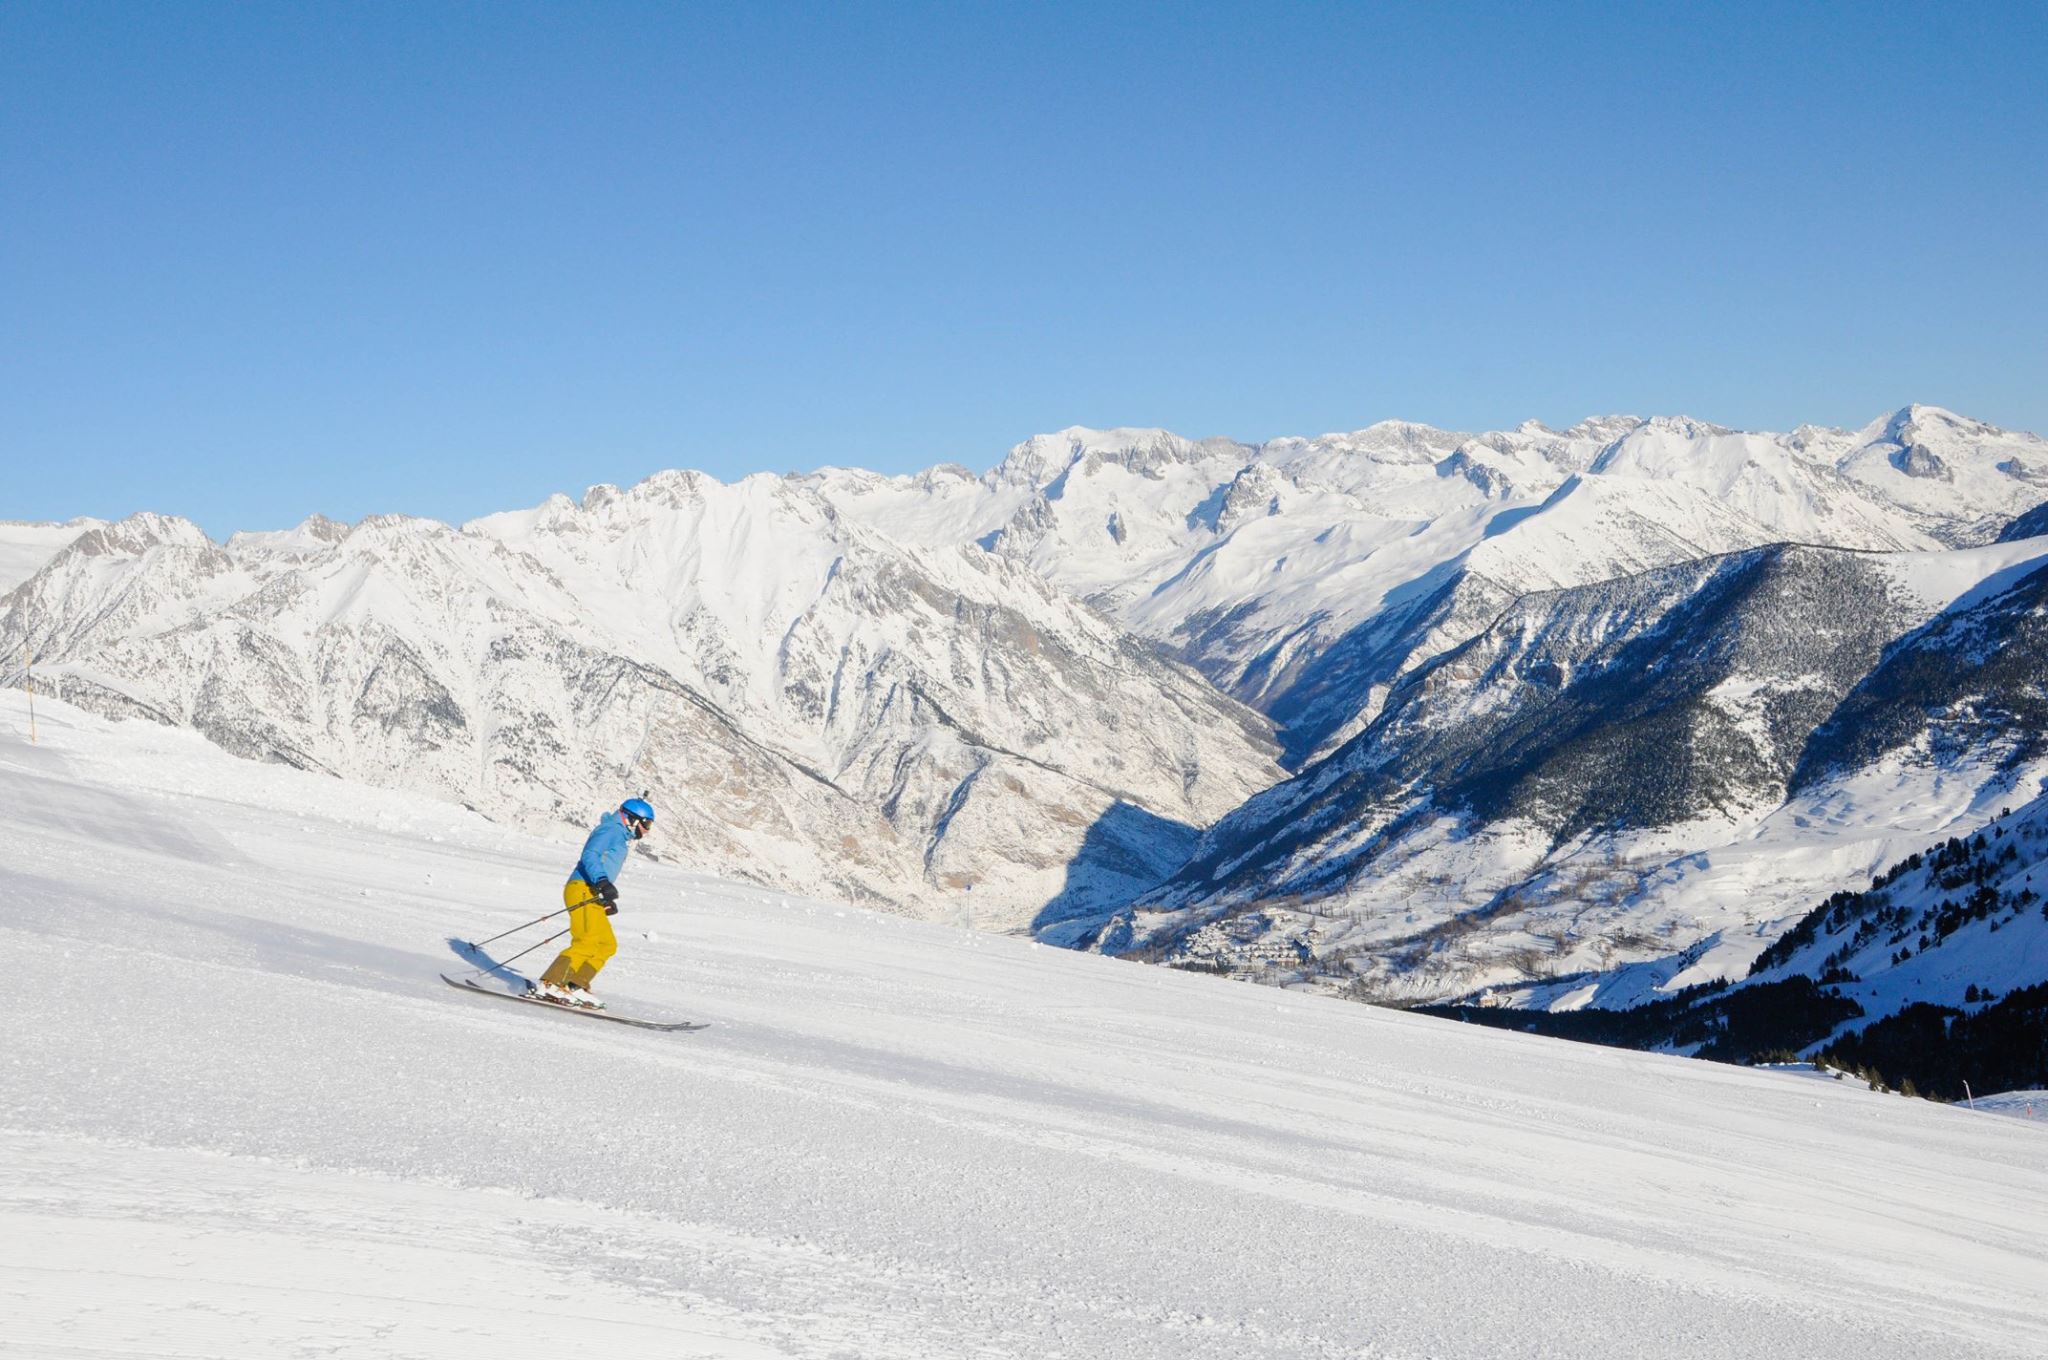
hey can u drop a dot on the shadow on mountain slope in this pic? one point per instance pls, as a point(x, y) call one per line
point(1124, 852)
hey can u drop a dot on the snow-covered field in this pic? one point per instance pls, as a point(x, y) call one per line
point(239, 1116)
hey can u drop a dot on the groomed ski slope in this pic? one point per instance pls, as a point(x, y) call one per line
point(240, 1117)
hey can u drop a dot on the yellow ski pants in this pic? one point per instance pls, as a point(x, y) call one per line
point(591, 942)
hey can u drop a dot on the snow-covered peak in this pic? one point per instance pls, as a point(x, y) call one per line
point(1604, 429)
point(316, 533)
point(1916, 422)
point(556, 514)
point(1823, 441)
point(1041, 461)
point(1685, 427)
point(1254, 561)
point(1966, 478)
point(1762, 477)
point(136, 577)
point(137, 534)
point(372, 531)
point(26, 546)
point(1386, 441)
point(674, 488)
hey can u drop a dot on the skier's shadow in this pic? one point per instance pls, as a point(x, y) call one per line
point(483, 963)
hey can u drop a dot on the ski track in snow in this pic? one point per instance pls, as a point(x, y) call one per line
point(240, 1116)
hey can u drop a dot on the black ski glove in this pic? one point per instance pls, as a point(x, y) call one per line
point(608, 894)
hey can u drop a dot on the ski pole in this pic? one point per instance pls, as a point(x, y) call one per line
point(530, 948)
point(479, 944)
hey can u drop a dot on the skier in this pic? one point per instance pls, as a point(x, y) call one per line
point(591, 896)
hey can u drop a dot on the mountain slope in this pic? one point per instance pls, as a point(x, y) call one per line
point(1934, 978)
point(1640, 770)
point(2033, 523)
point(896, 1139)
point(1970, 686)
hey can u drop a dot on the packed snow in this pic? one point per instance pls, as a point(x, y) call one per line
point(241, 1117)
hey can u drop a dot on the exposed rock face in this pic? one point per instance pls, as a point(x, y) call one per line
point(1917, 460)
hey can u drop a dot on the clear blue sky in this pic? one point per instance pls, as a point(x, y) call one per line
point(261, 260)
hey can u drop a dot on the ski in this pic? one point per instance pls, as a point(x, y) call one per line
point(672, 1026)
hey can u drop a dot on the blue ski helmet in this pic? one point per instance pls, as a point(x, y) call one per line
point(639, 809)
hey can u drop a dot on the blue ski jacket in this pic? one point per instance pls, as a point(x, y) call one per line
point(604, 854)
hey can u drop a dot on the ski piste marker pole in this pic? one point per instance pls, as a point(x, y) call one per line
point(479, 944)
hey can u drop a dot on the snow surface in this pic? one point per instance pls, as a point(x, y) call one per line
point(240, 1117)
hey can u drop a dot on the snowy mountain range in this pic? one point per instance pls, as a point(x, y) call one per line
point(1304, 576)
point(1405, 712)
point(813, 706)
